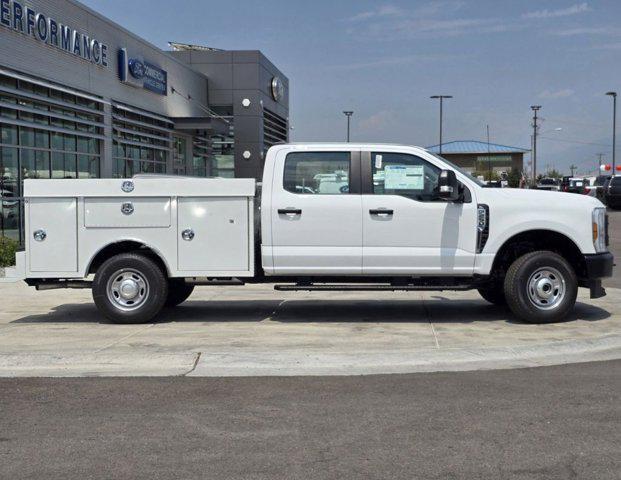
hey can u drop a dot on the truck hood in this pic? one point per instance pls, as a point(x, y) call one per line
point(537, 199)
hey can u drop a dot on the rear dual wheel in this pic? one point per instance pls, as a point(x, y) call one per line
point(178, 292)
point(130, 288)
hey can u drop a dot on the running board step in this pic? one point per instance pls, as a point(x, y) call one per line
point(366, 287)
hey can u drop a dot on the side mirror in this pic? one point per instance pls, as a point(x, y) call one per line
point(448, 188)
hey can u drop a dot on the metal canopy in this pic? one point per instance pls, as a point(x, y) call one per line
point(214, 125)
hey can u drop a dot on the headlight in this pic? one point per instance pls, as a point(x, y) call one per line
point(599, 229)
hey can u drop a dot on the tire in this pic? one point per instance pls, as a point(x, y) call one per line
point(178, 292)
point(130, 288)
point(541, 287)
point(493, 294)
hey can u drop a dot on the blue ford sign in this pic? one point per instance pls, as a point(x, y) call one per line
point(140, 73)
point(136, 68)
point(23, 19)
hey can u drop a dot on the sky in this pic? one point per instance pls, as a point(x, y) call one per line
point(383, 60)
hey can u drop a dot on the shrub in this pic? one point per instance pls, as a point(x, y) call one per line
point(8, 247)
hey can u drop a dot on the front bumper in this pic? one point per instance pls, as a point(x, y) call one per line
point(598, 266)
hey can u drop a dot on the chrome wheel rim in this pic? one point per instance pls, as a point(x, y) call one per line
point(546, 288)
point(127, 289)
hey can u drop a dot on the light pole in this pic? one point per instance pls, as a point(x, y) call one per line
point(535, 109)
point(614, 127)
point(599, 163)
point(348, 114)
point(441, 97)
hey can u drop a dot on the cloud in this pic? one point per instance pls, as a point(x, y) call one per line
point(561, 12)
point(383, 11)
point(550, 94)
point(401, 60)
point(428, 20)
point(567, 32)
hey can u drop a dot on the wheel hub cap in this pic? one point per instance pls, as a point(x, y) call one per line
point(127, 289)
point(546, 288)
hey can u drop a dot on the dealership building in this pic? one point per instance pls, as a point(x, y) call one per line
point(475, 156)
point(82, 97)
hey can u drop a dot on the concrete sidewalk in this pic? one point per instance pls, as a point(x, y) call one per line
point(232, 331)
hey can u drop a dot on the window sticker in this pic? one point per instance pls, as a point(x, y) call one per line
point(400, 177)
point(378, 162)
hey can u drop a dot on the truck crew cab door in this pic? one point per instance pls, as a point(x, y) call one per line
point(407, 230)
point(316, 214)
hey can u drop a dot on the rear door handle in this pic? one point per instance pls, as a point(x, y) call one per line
point(289, 211)
point(381, 211)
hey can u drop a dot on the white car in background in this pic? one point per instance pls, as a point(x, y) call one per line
point(548, 184)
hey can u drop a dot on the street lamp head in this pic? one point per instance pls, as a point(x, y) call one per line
point(349, 113)
point(612, 94)
point(441, 96)
point(535, 107)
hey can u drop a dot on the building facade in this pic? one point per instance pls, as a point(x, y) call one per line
point(82, 97)
point(478, 157)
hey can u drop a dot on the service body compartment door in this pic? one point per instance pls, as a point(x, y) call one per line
point(213, 234)
point(127, 212)
point(52, 237)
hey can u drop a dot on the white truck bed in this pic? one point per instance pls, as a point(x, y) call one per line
point(65, 228)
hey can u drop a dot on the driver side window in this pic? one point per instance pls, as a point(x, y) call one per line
point(405, 175)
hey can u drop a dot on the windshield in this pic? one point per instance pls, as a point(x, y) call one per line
point(548, 181)
point(460, 170)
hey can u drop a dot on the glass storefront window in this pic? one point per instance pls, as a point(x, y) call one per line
point(88, 166)
point(58, 165)
point(32, 152)
point(42, 139)
point(9, 171)
point(9, 134)
point(42, 164)
point(179, 155)
point(26, 137)
point(57, 141)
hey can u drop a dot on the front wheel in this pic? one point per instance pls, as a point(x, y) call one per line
point(541, 287)
point(130, 288)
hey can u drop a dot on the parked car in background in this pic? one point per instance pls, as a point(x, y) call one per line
point(611, 192)
point(494, 184)
point(548, 184)
point(576, 185)
point(595, 185)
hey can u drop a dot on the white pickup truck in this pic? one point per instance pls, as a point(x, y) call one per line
point(327, 217)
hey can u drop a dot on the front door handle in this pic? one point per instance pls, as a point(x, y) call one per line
point(289, 211)
point(381, 211)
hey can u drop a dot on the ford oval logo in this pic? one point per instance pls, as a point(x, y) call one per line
point(136, 68)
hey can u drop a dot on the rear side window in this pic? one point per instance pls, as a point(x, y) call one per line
point(317, 173)
point(615, 182)
point(403, 174)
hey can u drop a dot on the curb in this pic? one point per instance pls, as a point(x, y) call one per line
point(317, 363)
point(443, 360)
